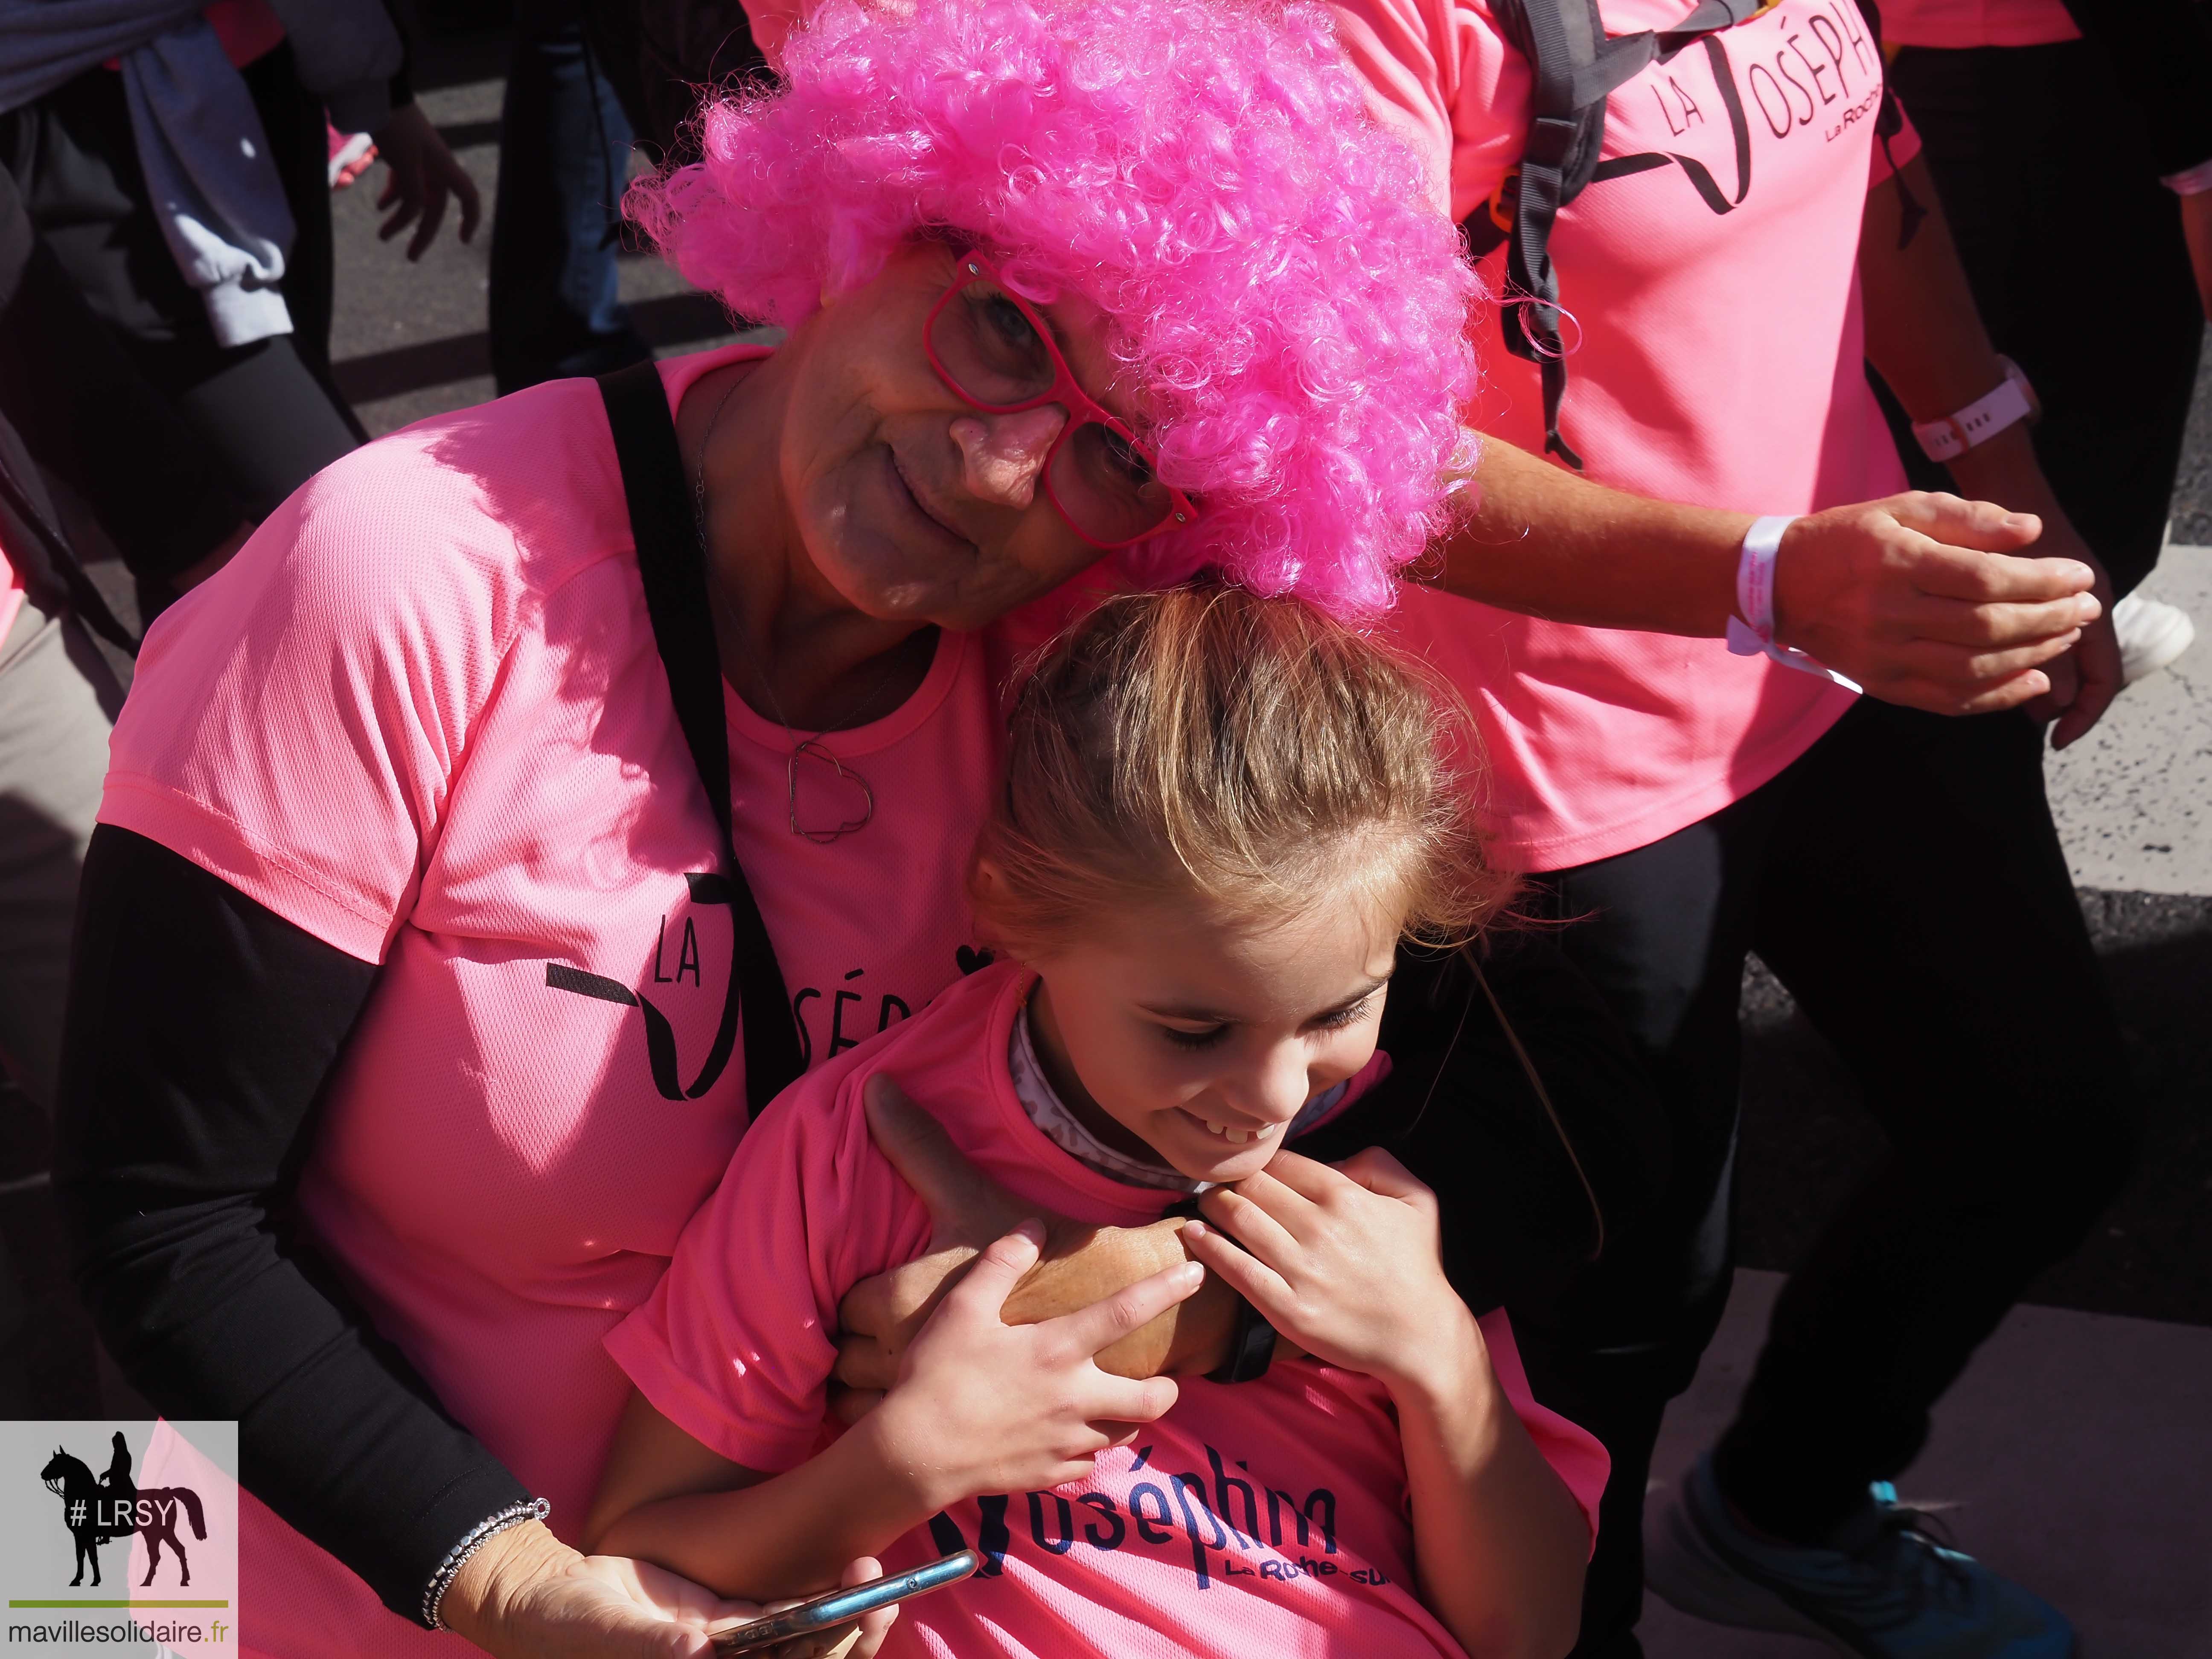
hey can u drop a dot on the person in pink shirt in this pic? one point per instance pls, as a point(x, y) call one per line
point(415, 1007)
point(1647, 658)
point(1220, 813)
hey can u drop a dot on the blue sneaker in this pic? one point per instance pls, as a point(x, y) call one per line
point(1883, 1589)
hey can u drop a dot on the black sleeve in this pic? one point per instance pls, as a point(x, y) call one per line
point(201, 1028)
point(2161, 57)
point(89, 418)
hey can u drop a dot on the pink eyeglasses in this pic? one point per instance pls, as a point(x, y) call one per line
point(992, 349)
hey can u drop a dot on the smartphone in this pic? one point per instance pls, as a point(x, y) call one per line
point(843, 1606)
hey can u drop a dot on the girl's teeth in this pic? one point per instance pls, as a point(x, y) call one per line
point(1237, 1137)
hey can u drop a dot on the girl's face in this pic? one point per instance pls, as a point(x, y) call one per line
point(1201, 1042)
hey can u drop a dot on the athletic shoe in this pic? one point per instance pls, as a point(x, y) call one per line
point(2151, 635)
point(1883, 1590)
point(350, 155)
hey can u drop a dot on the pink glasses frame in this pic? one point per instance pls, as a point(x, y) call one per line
point(1082, 410)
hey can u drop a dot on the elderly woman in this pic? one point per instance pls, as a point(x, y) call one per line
point(404, 1037)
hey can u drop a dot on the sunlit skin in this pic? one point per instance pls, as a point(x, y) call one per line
point(853, 502)
point(1176, 1038)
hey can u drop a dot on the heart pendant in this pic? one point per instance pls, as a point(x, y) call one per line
point(846, 776)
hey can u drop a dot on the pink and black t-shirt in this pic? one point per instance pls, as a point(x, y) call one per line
point(1268, 1518)
point(1717, 362)
point(422, 716)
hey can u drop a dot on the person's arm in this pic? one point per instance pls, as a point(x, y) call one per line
point(981, 1405)
point(1903, 595)
point(199, 1031)
point(879, 1317)
point(201, 1027)
point(1346, 1262)
point(1924, 336)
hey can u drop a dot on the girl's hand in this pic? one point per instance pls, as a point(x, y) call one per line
point(880, 1317)
point(982, 1406)
point(527, 1593)
point(1344, 1261)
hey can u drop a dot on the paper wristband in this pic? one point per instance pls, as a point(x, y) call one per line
point(1751, 632)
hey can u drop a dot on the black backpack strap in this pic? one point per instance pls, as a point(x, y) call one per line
point(1576, 69)
point(673, 569)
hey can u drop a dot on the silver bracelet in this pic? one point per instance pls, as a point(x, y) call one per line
point(433, 1594)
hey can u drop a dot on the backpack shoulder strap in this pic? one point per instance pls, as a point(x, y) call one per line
point(1576, 69)
point(672, 568)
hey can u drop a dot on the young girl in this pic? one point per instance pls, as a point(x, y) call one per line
point(1221, 814)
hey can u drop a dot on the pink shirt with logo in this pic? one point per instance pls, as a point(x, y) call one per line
point(422, 716)
point(1717, 361)
point(1266, 1517)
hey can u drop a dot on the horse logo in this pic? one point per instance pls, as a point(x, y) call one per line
point(99, 1511)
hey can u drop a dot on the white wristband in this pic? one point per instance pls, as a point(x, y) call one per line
point(1751, 633)
point(1981, 421)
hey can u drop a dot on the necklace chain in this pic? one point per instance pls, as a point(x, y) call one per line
point(799, 746)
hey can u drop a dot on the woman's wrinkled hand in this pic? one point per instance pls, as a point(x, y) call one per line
point(1344, 1261)
point(1934, 602)
point(527, 1595)
point(984, 1406)
point(423, 175)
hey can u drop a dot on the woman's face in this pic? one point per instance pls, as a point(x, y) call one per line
point(912, 505)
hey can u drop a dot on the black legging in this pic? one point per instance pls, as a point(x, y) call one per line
point(2075, 253)
point(268, 408)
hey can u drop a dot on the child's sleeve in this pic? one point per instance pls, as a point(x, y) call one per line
point(1573, 1453)
point(736, 1344)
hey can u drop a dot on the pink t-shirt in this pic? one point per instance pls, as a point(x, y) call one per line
point(1718, 363)
point(1965, 23)
point(1269, 1517)
point(422, 716)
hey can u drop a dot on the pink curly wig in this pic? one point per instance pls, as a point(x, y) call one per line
point(1291, 307)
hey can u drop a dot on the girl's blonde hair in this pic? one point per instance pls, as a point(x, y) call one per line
point(1207, 744)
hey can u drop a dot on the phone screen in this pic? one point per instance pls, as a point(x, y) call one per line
point(842, 1606)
